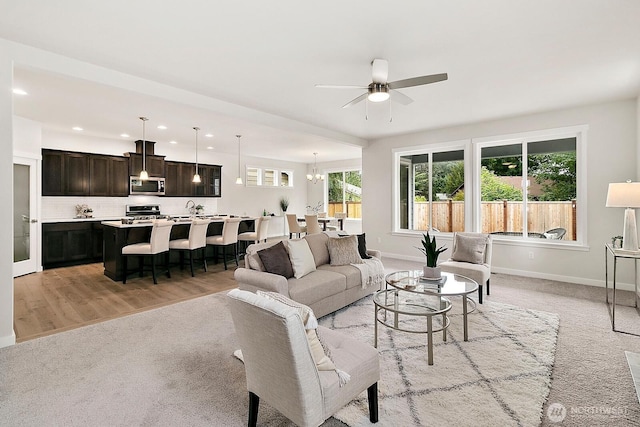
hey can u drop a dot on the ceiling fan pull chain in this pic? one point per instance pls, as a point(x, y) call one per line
point(366, 109)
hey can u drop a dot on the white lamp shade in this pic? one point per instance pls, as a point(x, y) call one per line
point(196, 178)
point(144, 175)
point(623, 195)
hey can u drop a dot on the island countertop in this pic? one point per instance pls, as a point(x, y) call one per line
point(178, 221)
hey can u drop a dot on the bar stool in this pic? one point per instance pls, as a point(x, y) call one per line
point(294, 227)
point(313, 226)
point(228, 237)
point(260, 233)
point(158, 244)
point(197, 240)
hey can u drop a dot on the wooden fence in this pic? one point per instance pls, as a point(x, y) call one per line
point(354, 209)
point(499, 216)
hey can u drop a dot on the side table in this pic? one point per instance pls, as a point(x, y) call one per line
point(619, 253)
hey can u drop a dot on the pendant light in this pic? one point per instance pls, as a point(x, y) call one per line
point(315, 175)
point(143, 173)
point(196, 176)
point(239, 178)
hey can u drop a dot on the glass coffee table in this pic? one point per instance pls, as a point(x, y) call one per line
point(448, 285)
point(402, 303)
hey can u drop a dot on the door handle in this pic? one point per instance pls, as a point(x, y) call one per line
point(33, 221)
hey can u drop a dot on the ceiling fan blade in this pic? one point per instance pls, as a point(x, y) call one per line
point(380, 70)
point(400, 98)
point(356, 100)
point(417, 81)
point(341, 87)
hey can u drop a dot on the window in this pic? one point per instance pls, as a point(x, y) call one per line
point(268, 177)
point(345, 193)
point(431, 191)
point(528, 187)
point(518, 187)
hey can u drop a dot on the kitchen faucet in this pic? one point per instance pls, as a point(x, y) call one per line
point(192, 209)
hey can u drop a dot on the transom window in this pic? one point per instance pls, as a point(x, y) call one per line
point(268, 177)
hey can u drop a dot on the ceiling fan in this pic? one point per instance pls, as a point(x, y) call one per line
point(379, 89)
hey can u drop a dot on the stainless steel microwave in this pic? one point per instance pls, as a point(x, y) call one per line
point(153, 186)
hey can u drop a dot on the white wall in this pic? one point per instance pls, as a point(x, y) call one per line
point(7, 336)
point(611, 157)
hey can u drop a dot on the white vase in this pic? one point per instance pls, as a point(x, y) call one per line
point(431, 272)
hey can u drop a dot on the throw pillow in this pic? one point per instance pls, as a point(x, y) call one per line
point(469, 249)
point(276, 260)
point(301, 258)
point(344, 250)
point(362, 246)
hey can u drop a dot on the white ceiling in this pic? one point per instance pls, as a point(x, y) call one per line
point(503, 58)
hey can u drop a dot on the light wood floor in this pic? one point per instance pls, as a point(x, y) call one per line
point(61, 299)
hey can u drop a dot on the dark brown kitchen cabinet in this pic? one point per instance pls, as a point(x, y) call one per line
point(67, 173)
point(179, 179)
point(76, 166)
point(211, 181)
point(71, 243)
point(53, 179)
point(154, 164)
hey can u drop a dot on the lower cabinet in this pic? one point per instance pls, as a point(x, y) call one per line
point(71, 243)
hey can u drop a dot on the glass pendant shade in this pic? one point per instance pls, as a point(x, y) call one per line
point(196, 176)
point(239, 178)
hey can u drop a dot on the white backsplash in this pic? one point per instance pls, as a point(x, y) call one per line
point(60, 208)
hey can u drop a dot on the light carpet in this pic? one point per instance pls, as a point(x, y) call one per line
point(501, 376)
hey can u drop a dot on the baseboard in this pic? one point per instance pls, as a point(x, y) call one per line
point(8, 340)
point(533, 274)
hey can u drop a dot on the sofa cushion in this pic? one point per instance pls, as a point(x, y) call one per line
point(344, 250)
point(318, 245)
point(301, 257)
point(469, 249)
point(351, 274)
point(316, 286)
point(276, 260)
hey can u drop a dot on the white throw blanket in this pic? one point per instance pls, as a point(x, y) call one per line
point(371, 272)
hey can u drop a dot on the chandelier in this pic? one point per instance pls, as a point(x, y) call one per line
point(315, 175)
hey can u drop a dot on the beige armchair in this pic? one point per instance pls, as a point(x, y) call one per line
point(280, 367)
point(471, 257)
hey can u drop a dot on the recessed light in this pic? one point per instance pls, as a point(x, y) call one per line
point(209, 148)
point(209, 135)
point(173, 142)
point(162, 127)
point(18, 91)
point(125, 135)
point(78, 128)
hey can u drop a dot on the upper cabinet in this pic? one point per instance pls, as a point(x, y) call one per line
point(154, 164)
point(67, 173)
point(179, 180)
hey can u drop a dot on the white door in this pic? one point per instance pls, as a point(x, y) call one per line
point(25, 219)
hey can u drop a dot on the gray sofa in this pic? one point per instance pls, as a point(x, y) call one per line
point(325, 290)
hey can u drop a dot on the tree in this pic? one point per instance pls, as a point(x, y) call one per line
point(556, 173)
point(492, 188)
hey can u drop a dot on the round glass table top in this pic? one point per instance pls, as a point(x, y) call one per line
point(448, 284)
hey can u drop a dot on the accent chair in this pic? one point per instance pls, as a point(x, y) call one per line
point(471, 257)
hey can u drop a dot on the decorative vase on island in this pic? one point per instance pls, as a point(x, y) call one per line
point(431, 272)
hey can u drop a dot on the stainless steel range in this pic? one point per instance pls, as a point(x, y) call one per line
point(143, 212)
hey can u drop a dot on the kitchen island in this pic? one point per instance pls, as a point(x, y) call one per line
point(117, 235)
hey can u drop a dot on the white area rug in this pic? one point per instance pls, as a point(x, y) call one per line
point(500, 377)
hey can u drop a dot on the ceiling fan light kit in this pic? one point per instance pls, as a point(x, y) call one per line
point(379, 89)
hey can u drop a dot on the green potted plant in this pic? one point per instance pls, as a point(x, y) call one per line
point(284, 203)
point(431, 251)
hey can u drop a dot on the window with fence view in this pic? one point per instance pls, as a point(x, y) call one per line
point(527, 188)
point(345, 193)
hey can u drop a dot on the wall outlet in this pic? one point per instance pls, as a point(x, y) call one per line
point(530, 255)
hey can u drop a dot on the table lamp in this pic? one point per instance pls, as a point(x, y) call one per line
point(626, 195)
